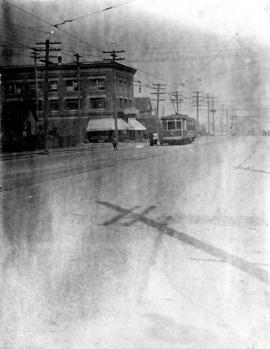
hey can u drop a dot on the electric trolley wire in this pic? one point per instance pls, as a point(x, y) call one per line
point(179, 59)
point(92, 13)
point(51, 25)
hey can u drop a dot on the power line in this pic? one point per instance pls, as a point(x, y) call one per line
point(50, 24)
point(91, 13)
point(10, 37)
point(225, 46)
point(179, 59)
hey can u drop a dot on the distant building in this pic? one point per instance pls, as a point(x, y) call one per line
point(143, 106)
point(144, 113)
point(22, 116)
point(247, 127)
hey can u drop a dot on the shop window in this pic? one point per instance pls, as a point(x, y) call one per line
point(97, 103)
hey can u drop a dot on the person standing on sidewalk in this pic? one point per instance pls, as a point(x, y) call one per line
point(114, 142)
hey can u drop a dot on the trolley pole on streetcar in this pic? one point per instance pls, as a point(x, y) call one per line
point(114, 58)
point(177, 98)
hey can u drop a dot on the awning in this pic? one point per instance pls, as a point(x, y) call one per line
point(135, 125)
point(106, 124)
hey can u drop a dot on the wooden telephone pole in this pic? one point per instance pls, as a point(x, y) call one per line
point(114, 58)
point(35, 56)
point(77, 56)
point(197, 100)
point(159, 88)
point(213, 110)
point(47, 49)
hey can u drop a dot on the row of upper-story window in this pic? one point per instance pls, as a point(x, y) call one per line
point(97, 103)
point(70, 85)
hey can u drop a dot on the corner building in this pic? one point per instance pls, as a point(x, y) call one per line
point(99, 82)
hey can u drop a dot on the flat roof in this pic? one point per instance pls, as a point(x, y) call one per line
point(176, 117)
point(69, 66)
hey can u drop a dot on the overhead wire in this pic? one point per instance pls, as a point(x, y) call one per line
point(92, 13)
point(227, 44)
point(51, 25)
point(179, 59)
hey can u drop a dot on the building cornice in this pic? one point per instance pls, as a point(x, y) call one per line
point(69, 66)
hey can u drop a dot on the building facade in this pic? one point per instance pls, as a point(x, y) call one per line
point(105, 89)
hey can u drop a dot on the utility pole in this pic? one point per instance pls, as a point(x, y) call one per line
point(178, 99)
point(227, 122)
point(208, 113)
point(113, 54)
point(213, 110)
point(47, 50)
point(159, 88)
point(35, 56)
point(222, 112)
point(77, 56)
point(197, 99)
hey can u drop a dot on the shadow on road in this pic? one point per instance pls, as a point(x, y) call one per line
point(163, 228)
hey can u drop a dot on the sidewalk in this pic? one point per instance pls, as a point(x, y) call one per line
point(82, 147)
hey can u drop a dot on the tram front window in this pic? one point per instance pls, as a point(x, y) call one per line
point(171, 125)
point(178, 125)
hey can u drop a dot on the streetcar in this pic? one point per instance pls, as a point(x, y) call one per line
point(177, 129)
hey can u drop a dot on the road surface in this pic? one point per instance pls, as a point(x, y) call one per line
point(144, 248)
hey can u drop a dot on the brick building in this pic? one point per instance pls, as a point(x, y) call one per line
point(22, 117)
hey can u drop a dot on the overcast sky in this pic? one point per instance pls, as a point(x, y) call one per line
point(214, 46)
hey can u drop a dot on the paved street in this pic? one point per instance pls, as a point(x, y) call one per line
point(144, 248)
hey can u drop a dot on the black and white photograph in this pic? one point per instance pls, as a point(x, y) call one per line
point(134, 174)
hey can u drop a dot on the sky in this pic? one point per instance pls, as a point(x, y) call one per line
point(216, 47)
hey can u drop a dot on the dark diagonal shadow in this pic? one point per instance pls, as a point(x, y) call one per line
point(251, 169)
point(235, 261)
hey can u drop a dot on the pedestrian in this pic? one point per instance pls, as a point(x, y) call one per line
point(114, 142)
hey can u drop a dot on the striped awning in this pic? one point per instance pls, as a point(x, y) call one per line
point(106, 124)
point(135, 125)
